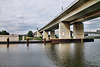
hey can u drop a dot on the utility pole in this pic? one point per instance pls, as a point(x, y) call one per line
point(62, 8)
point(37, 28)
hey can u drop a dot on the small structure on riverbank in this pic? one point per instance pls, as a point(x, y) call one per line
point(11, 38)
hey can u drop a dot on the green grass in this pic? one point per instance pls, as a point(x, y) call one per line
point(92, 37)
point(20, 38)
point(32, 38)
point(38, 38)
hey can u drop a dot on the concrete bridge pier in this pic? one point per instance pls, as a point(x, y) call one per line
point(52, 34)
point(78, 30)
point(45, 34)
point(64, 30)
point(39, 34)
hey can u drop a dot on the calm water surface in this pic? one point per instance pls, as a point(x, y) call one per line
point(51, 55)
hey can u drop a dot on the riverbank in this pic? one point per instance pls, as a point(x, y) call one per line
point(50, 41)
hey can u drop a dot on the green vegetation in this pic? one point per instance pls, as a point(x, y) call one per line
point(38, 38)
point(30, 34)
point(96, 37)
point(20, 37)
point(4, 32)
point(31, 38)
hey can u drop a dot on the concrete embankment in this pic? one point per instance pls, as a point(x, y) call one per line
point(19, 42)
point(71, 40)
point(50, 41)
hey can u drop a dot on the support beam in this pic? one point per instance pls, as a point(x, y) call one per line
point(78, 30)
point(52, 34)
point(45, 34)
point(39, 34)
point(64, 30)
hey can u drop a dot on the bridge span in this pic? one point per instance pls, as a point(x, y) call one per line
point(75, 14)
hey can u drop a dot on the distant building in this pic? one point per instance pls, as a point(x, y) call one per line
point(98, 30)
point(93, 34)
point(86, 34)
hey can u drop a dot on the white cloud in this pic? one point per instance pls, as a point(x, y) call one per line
point(92, 25)
point(88, 22)
point(20, 16)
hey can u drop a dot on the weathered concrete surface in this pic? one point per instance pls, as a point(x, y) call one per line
point(24, 42)
point(11, 37)
point(81, 10)
point(39, 34)
point(52, 34)
point(64, 30)
point(45, 34)
point(78, 30)
point(71, 40)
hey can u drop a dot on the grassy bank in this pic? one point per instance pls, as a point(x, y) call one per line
point(32, 38)
point(92, 37)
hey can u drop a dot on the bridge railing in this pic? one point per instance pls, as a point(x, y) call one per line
point(75, 1)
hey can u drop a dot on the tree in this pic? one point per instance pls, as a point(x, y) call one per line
point(0, 33)
point(30, 34)
point(4, 32)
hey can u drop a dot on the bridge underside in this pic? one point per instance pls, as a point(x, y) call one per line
point(80, 11)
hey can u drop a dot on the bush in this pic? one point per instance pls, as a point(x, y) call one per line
point(30, 34)
point(38, 38)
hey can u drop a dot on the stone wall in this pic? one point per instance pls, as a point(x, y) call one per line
point(11, 37)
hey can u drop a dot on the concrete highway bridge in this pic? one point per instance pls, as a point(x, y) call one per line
point(75, 14)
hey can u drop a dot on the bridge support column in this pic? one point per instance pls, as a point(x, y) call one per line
point(78, 30)
point(52, 34)
point(39, 34)
point(64, 30)
point(45, 34)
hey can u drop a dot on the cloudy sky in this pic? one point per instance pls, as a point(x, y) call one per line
point(21, 16)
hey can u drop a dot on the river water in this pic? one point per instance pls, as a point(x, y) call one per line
point(51, 55)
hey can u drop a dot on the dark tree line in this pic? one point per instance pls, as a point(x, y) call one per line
point(30, 34)
point(4, 32)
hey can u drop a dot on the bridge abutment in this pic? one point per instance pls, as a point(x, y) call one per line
point(78, 30)
point(64, 30)
point(52, 34)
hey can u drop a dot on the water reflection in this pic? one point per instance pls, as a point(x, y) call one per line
point(66, 54)
point(51, 55)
